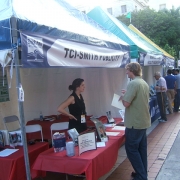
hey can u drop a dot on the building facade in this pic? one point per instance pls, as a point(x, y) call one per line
point(163, 4)
point(114, 7)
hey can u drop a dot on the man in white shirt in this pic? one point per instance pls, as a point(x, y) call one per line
point(161, 89)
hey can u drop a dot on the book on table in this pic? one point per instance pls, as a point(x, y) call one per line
point(100, 129)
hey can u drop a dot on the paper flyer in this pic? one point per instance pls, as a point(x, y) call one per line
point(116, 103)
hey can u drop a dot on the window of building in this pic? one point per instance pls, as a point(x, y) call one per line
point(162, 6)
point(123, 9)
point(109, 10)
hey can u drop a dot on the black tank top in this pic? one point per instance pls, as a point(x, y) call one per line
point(77, 109)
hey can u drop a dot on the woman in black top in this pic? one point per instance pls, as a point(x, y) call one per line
point(75, 103)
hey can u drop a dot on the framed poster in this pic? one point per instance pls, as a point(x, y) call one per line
point(87, 142)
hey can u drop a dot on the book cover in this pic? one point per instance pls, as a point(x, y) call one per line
point(1, 139)
point(59, 141)
point(101, 134)
point(15, 138)
point(109, 117)
point(6, 137)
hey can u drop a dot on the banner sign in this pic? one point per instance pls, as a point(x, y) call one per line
point(39, 50)
point(147, 59)
point(170, 62)
point(178, 63)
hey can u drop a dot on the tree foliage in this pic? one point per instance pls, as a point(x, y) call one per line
point(162, 27)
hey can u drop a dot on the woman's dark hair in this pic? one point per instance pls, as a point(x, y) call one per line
point(76, 83)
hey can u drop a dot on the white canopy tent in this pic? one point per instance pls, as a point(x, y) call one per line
point(46, 88)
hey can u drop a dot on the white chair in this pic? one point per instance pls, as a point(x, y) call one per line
point(34, 128)
point(58, 126)
point(11, 123)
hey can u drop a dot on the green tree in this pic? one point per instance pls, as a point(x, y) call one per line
point(162, 27)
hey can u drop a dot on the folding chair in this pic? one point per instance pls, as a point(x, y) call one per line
point(12, 123)
point(34, 128)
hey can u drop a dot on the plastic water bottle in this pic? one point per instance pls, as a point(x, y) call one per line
point(41, 116)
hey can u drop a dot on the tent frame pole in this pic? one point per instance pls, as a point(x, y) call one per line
point(14, 34)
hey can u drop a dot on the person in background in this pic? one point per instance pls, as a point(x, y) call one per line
point(170, 82)
point(161, 89)
point(137, 120)
point(76, 105)
point(177, 89)
point(173, 71)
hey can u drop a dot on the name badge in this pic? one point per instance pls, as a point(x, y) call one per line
point(83, 119)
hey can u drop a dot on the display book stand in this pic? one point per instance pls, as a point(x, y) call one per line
point(110, 119)
point(12, 138)
point(100, 130)
point(87, 140)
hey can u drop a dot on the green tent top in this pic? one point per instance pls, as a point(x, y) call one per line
point(136, 42)
point(148, 40)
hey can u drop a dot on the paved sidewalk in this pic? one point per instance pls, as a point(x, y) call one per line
point(160, 142)
point(171, 167)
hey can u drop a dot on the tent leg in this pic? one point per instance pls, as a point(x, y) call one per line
point(20, 104)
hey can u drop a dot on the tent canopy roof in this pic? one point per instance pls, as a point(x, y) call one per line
point(137, 43)
point(148, 40)
point(50, 17)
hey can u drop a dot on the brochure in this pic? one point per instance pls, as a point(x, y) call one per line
point(116, 103)
point(119, 128)
point(7, 152)
point(74, 135)
point(112, 133)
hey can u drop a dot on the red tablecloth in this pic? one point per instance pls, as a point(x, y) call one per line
point(47, 124)
point(94, 163)
point(13, 167)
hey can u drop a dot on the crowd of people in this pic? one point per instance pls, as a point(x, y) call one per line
point(168, 92)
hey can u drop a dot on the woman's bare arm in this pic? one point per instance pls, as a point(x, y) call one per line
point(64, 105)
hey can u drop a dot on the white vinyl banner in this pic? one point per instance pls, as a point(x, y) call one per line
point(148, 59)
point(178, 63)
point(66, 53)
point(170, 62)
point(42, 51)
